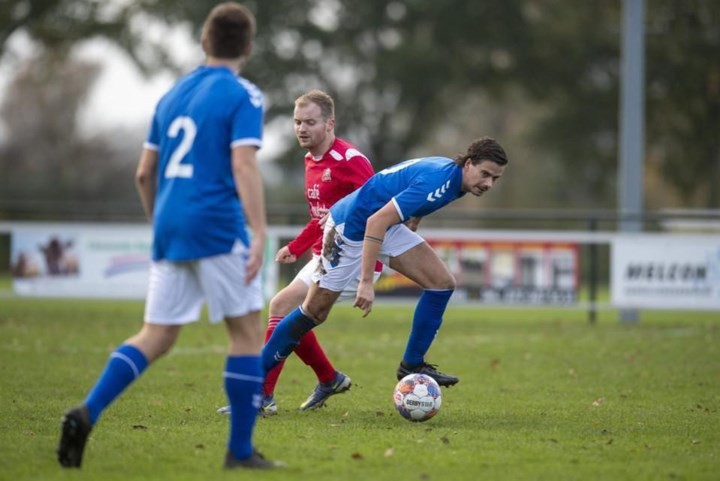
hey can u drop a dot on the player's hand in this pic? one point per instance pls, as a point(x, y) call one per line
point(365, 297)
point(323, 220)
point(254, 261)
point(284, 256)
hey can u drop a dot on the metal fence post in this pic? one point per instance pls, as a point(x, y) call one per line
point(592, 274)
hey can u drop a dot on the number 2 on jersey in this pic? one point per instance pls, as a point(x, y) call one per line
point(175, 167)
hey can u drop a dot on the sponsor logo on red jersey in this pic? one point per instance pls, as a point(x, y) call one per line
point(313, 192)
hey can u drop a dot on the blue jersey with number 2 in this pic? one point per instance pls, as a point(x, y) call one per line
point(417, 187)
point(196, 124)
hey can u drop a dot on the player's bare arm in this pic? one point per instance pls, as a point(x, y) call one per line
point(250, 189)
point(146, 180)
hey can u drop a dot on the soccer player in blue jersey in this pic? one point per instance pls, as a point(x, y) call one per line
point(199, 183)
point(371, 224)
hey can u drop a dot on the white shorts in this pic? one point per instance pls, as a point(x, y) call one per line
point(306, 277)
point(342, 258)
point(178, 290)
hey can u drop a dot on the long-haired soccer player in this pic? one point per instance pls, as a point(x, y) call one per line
point(369, 224)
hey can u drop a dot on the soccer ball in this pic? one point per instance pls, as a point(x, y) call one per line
point(417, 397)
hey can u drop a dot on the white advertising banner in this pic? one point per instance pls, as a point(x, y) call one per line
point(92, 260)
point(666, 272)
point(75, 260)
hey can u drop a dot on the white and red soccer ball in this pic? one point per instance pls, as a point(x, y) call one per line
point(417, 397)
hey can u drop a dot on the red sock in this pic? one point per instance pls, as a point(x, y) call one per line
point(312, 354)
point(271, 378)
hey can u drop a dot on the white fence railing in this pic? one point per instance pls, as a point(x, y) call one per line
point(512, 267)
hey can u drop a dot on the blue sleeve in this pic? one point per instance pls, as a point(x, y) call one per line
point(153, 138)
point(247, 122)
point(414, 198)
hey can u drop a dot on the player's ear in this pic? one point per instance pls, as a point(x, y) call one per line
point(248, 50)
point(330, 124)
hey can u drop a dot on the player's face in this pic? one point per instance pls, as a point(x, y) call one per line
point(478, 179)
point(311, 129)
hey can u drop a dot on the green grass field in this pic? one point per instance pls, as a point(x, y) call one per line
point(543, 395)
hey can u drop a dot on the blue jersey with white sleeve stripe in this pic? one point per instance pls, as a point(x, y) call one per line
point(416, 187)
point(197, 210)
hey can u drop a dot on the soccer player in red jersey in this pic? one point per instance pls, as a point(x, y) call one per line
point(333, 169)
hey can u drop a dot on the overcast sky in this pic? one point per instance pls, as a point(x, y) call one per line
point(122, 97)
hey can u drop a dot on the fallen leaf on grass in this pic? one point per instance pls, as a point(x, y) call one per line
point(389, 452)
point(598, 401)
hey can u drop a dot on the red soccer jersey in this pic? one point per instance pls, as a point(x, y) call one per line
point(341, 170)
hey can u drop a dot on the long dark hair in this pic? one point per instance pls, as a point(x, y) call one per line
point(484, 148)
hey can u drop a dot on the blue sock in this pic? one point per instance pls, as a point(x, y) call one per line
point(124, 366)
point(285, 338)
point(243, 385)
point(426, 322)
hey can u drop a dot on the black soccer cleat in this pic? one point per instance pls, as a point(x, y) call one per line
point(255, 461)
point(441, 378)
point(75, 430)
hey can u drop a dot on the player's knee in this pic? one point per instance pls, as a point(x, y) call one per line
point(318, 304)
point(154, 340)
point(280, 306)
point(318, 313)
point(446, 281)
point(317, 317)
point(287, 300)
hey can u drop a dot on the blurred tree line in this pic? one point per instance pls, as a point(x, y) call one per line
point(410, 78)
